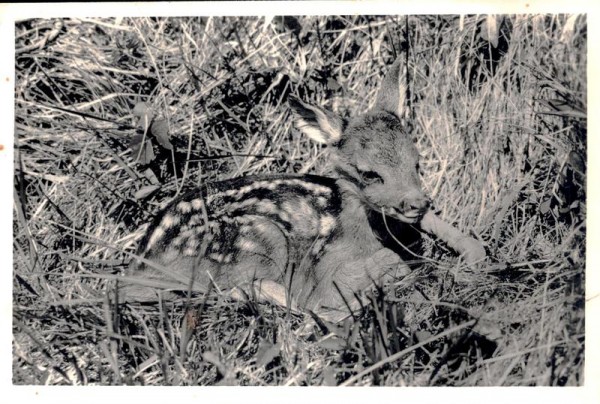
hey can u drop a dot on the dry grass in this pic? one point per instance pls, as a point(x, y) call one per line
point(500, 120)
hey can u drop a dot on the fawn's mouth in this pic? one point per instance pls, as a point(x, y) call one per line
point(410, 217)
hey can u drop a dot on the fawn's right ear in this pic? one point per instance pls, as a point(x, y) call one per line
point(319, 124)
point(392, 92)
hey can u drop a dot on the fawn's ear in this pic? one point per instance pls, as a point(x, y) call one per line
point(392, 92)
point(319, 124)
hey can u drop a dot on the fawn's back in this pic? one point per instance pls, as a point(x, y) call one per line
point(307, 241)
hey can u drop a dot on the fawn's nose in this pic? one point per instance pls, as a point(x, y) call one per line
point(419, 204)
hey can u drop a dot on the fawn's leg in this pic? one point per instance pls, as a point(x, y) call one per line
point(265, 290)
point(470, 248)
point(336, 298)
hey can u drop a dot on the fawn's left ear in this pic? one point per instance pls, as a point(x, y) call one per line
point(392, 92)
point(317, 123)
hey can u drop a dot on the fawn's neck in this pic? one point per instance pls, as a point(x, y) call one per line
point(354, 218)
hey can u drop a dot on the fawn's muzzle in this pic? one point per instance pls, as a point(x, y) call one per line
point(411, 210)
point(417, 205)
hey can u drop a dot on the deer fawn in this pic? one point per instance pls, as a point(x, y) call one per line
point(306, 241)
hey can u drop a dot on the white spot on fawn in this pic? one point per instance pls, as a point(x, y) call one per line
point(321, 202)
point(197, 203)
point(326, 225)
point(157, 235)
point(216, 257)
point(169, 220)
point(314, 189)
point(189, 252)
point(266, 206)
point(184, 207)
point(178, 241)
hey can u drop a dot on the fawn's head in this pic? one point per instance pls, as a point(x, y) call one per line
point(373, 153)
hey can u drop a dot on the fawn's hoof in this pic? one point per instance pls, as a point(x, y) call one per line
point(472, 251)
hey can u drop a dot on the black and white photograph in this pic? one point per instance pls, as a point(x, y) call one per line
point(299, 199)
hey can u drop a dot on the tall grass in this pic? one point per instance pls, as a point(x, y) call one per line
point(115, 117)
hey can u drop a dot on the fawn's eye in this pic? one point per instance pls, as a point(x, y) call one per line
point(370, 177)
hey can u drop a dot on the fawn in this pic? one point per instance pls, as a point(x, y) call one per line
point(306, 241)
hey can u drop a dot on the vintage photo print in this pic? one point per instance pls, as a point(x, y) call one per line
point(292, 197)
